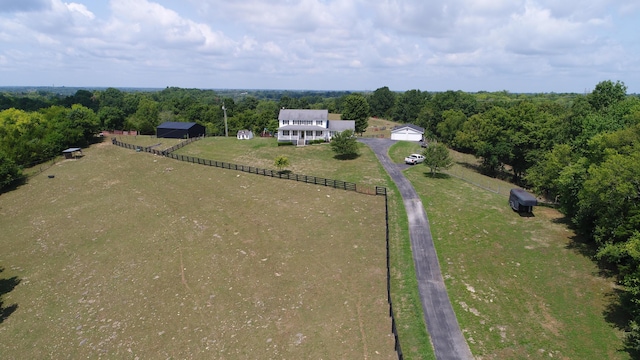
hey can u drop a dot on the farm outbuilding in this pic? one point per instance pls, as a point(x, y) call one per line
point(244, 134)
point(180, 130)
point(407, 132)
point(72, 153)
point(522, 201)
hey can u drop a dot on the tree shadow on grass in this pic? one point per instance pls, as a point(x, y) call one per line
point(14, 185)
point(6, 286)
point(437, 175)
point(617, 314)
point(501, 174)
point(346, 157)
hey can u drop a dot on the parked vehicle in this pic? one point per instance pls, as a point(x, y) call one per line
point(414, 159)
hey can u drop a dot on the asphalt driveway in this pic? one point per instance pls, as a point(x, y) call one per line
point(442, 324)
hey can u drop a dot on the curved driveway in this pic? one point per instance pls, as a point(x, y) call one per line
point(442, 325)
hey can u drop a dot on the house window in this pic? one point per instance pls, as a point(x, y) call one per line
point(319, 122)
point(309, 133)
point(285, 122)
point(285, 132)
point(318, 133)
point(302, 122)
point(294, 132)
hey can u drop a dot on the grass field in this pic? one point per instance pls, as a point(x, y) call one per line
point(127, 254)
point(131, 255)
point(313, 160)
point(518, 286)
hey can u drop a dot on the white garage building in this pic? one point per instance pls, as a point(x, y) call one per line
point(407, 132)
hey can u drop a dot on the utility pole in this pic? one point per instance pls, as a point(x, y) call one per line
point(226, 128)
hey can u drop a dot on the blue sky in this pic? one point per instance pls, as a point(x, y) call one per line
point(435, 45)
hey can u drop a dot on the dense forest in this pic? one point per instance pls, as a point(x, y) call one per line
point(581, 151)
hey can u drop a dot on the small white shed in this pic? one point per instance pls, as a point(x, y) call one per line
point(245, 134)
point(407, 132)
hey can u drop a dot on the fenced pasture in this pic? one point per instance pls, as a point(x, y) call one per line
point(152, 142)
point(520, 286)
point(313, 160)
point(317, 161)
point(126, 254)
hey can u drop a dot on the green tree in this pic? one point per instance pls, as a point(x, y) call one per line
point(345, 145)
point(487, 134)
point(381, 102)
point(544, 175)
point(9, 171)
point(85, 122)
point(408, 106)
point(281, 162)
point(452, 121)
point(112, 97)
point(436, 157)
point(147, 117)
point(606, 94)
point(111, 118)
point(355, 107)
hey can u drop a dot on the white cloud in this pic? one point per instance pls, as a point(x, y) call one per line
point(324, 43)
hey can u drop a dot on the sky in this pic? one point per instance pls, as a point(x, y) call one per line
point(531, 46)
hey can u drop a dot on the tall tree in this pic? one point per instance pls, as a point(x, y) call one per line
point(381, 102)
point(147, 116)
point(606, 94)
point(436, 157)
point(408, 106)
point(355, 107)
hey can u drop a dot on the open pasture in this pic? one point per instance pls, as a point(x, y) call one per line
point(131, 255)
point(520, 286)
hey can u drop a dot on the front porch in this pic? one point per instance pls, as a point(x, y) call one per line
point(302, 136)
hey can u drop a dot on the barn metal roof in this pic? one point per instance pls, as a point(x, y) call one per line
point(176, 125)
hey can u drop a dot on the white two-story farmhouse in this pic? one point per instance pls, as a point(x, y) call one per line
point(302, 126)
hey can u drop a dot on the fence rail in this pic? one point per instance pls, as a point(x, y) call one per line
point(338, 184)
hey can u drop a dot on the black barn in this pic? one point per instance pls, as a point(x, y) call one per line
point(179, 130)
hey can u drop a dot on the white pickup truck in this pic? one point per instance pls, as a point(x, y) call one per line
point(414, 159)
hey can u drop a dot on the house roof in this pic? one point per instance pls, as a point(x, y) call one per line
point(408, 126)
point(176, 125)
point(70, 150)
point(302, 127)
point(342, 125)
point(303, 114)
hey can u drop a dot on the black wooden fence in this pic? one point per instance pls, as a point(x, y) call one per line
point(338, 184)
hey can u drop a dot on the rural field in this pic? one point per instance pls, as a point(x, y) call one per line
point(130, 255)
point(521, 286)
point(127, 254)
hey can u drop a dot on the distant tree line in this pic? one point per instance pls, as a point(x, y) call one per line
point(581, 150)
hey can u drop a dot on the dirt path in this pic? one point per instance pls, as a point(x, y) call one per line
point(442, 324)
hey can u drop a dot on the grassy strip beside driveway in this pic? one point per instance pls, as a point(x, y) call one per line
point(517, 284)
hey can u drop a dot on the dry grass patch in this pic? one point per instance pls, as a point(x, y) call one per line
point(379, 127)
point(127, 255)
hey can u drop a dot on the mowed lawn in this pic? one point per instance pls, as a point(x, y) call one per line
point(130, 255)
point(313, 160)
point(519, 287)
